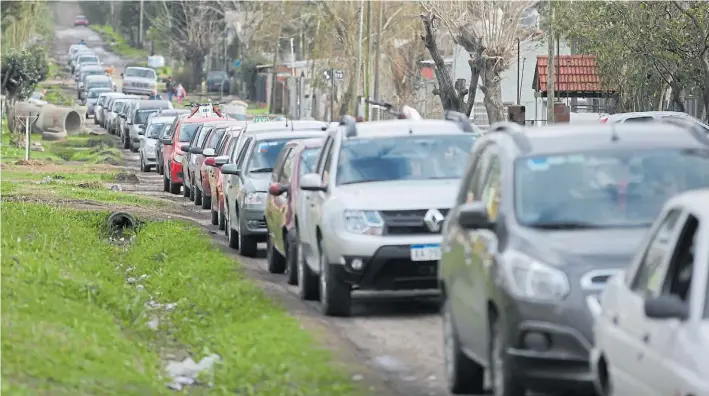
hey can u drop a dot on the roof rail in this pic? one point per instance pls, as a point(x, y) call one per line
point(462, 120)
point(515, 130)
point(693, 128)
point(350, 125)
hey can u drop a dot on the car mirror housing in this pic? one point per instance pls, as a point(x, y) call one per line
point(311, 182)
point(474, 215)
point(231, 169)
point(666, 307)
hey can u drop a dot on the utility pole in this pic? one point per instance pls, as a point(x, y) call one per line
point(273, 74)
point(368, 60)
point(140, 34)
point(550, 66)
point(377, 56)
point(358, 64)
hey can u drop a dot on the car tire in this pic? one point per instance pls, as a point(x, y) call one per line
point(165, 184)
point(335, 296)
point(186, 192)
point(95, 121)
point(206, 202)
point(307, 280)
point(175, 188)
point(232, 235)
point(197, 196)
point(248, 246)
point(221, 222)
point(133, 149)
point(126, 143)
point(291, 248)
point(142, 165)
point(502, 379)
point(276, 262)
point(215, 217)
point(464, 376)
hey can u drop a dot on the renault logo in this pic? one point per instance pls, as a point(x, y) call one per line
point(433, 220)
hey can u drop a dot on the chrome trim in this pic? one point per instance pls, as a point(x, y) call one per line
point(587, 282)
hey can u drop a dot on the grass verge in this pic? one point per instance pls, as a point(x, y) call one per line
point(85, 191)
point(88, 149)
point(73, 326)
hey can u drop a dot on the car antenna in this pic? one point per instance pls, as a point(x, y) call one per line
point(614, 134)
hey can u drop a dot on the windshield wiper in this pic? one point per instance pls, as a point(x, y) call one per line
point(261, 170)
point(564, 225)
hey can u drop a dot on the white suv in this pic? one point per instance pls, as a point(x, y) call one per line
point(652, 331)
point(371, 215)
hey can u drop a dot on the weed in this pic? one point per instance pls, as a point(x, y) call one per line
point(72, 326)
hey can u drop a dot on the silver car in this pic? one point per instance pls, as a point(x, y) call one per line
point(370, 217)
point(136, 119)
point(139, 80)
point(643, 116)
point(99, 81)
point(101, 104)
point(149, 139)
point(652, 329)
point(92, 99)
point(246, 181)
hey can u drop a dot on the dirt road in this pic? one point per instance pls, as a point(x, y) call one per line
point(396, 339)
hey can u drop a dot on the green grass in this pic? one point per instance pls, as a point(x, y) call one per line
point(76, 190)
point(66, 173)
point(73, 326)
point(117, 43)
point(58, 97)
point(90, 149)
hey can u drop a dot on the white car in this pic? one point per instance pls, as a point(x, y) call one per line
point(149, 138)
point(642, 116)
point(652, 331)
point(101, 103)
point(139, 81)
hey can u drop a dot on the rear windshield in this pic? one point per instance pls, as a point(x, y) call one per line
point(155, 130)
point(142, 73)
point(118, 106)
point(141, 116)
point(94, 93)
point(88, 59)
point(100, 84)
point(187, 132)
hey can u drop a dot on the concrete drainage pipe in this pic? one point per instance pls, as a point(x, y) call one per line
point(119, 221)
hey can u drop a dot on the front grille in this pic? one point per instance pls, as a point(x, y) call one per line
point(407, 222)
point(403, 268)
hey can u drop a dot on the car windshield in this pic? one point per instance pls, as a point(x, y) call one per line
point(187, 132)
point(94, 93)
point(266, 153)
point(599, 189)
point(118, 106)
point(141, 116)
point(88, 60)
point(93, 73)
point(154, 131)
point(100, 84)
point(142, 73)
point(308, 160)
point(403, 158)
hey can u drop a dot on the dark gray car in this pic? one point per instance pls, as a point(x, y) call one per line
point(542, 219)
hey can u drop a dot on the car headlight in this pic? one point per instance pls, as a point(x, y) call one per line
point(255, 198)
point(365, 222)
point(179, 157)
point(532, 280)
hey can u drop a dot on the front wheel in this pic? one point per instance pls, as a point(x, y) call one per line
point(165, 184)
point(291, 249)
point(186, 191)
point(335, 296)
point(175, 188)
point(276, 262)
point(464, 376)
point(501, 376)
point(197, 196)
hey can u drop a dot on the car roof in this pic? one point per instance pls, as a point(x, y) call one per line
point(100, 89)
point(565, 138)
point(98, 77)
point(91, 67)
point(310, 143)
point(286, 125)
point(112, 94)
point(162, 120)
point(392, 128)
point(168, 111)
point(140, 67)
point(287, 134)
point(152, 104)
point(201, 120)
point(696, 200)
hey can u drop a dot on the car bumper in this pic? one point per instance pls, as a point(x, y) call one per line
point(137, 90)
point(549, 344)
point(253, 222)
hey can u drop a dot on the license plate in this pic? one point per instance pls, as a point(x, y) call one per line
point(425, 252)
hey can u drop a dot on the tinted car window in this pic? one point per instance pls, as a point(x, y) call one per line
point(266, 153)
point(215, 137)
point(409, 158)
point(187, 132)
point(118, 106)
point(154, 130)
point(142, 73)
point(287, 171)
point(308, 160)
point(94, 93)
point(618, 188)
point(202, 135)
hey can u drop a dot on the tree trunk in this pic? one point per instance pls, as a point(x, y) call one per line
point(197, 63)
point(705, 89)
point(676, 97)
point(492, 90)
point(347, 97)
point(446, 89)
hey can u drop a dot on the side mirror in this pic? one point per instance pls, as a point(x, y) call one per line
point(474, 216)
point(122, 116)
point(231, 169)
point(166, 142)
point(141, 132)
point(121, 75)
point(666, 307)
point(277, 189)
point(221, 160)
point(209, 161)
point(185, 147)
point(128, 122)
point(209, 152)
point(195, 150)
point(311, 182)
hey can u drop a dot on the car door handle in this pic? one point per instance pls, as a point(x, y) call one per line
point(646, 338)
point(614, 319)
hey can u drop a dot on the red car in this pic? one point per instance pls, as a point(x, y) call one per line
point(224, 152)
point(81, 20)
point(297, 158)
point(199, 177)
point(172, 153)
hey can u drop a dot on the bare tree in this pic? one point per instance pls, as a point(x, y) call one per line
point(193, 28)
point(488, 30)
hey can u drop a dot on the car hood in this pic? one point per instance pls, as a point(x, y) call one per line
point(139, 79)
point(581, 250)
point(258, 181)
point(399, 195)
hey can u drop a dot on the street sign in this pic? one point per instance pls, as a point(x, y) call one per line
point(339, 74)
point(258, 119)
point(237, 63)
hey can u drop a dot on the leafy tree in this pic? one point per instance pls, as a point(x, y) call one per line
point(22, 70)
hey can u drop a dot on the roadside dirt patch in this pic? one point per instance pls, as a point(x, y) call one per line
point(127, 177)
point(29, 163)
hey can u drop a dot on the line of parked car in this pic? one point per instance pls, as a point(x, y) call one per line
point(568, 258)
